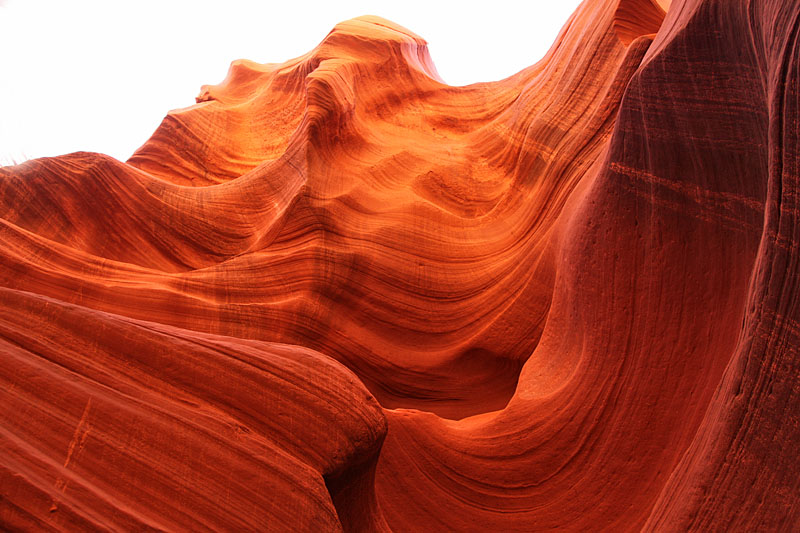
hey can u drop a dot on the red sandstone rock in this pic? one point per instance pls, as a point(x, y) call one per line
point(340, 294)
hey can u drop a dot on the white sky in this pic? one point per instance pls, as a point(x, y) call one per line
point(100, 75)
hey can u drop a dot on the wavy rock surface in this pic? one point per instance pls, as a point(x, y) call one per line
point(339, 294)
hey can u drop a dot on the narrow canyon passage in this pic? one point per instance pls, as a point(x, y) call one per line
point(339, 294)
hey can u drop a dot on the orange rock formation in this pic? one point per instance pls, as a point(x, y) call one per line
point(339, 294)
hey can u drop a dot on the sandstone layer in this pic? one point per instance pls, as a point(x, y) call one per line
point(339, 294)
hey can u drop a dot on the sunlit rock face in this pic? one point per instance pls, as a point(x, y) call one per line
point(338, 294)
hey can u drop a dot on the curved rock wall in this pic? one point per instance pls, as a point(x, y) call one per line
point(337, 293)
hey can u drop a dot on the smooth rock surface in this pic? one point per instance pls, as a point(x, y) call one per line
point(338, 294)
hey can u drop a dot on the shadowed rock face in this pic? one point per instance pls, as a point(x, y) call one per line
point(338, 294)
